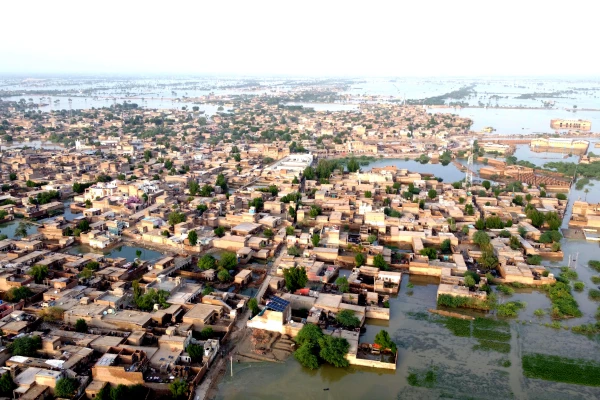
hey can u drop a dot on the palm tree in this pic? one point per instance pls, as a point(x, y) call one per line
point(586, 191)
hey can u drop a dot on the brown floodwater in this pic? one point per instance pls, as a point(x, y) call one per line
point(462, 371)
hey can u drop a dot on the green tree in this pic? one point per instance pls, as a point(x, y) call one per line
point(333, 350)
point(16, 294)
point(494, 222)
point(222, 182)
point(486, 185)
point(430, 252)
point(353, 165)
point(480, 224)
point(38, 273)
point(368, 194)
point(253, 306)
point(379, 262)
point(178, 388)
point(176, 217)
point(359, 259)
point(342, 284)
point(196, 352)
point(307, 355)
point(384, 340)
point(268, 232)
point(206, 190)
point(289, 231)
point(446, 246)
point(219, 231)
point(309, 333)
point(536, 217)
point(194, 188)
point(432, 194)
point(21, 230)
point(314, 212)
point(295, 278)
point(7, 385)
point(469, 281)
point(223, 275)
point(481, 238)
point(25, 346)
point(66, 387)
point(81, 325)
point(228, 260)
point(192, 237)
point(315, 239)
point(347, 319)
point(52, 314)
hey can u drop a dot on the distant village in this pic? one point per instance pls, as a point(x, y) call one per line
point(275, 239)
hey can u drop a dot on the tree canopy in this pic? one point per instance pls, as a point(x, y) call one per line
point(295, 278)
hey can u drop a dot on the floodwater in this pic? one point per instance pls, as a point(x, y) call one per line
point(463, 370)
point(448, 173)
point(508, 121)
point(9, 228)
point(124, 251)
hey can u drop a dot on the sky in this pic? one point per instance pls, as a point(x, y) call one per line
point(309, 38)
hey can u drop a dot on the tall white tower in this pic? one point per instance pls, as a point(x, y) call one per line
point(469, 174)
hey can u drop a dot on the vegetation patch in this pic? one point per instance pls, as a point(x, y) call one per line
point(596, 280)
point(561, 369)
point(459, 327)
point(419, 316)
point(423, 378)
point(563, 303)
point(506, 290)
point(510, 309)
point(486, 323)
point(490, 345)
point(594, 294)
point(486, 334)
point(492, 335)
point(462, 301)
point(594, 264)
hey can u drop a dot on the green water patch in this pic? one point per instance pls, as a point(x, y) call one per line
point(561, 369)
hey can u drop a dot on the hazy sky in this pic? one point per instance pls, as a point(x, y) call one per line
point(372, 38)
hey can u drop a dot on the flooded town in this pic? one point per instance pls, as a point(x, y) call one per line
point(274, 228)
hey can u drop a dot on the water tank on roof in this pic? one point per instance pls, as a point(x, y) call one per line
point(252, 210)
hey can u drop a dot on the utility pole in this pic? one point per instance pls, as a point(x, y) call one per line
point(231, 363)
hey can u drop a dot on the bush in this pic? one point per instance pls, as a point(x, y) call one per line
point(66, 387)
point(347, 319)
point(539, 312)
point(506, 290)
point(578, 286)
point(342, 284)
point(178, 388)
point(594, 294)
point(510, 309)
point(594, 265)
point(253, 306)
point(430, 252)
point(384, 340)
point(81, 325)
point(534, 260)
point(359, 259)
point(563, 303)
